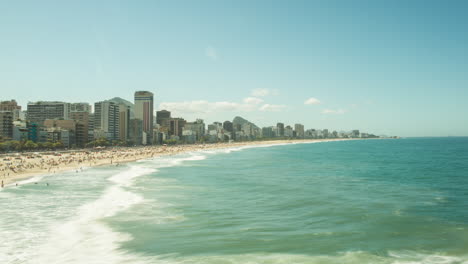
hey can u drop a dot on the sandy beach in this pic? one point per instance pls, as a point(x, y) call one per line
point(19, 166)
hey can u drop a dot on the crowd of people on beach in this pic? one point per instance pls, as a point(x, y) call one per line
point(20, 165)
point(51, 162)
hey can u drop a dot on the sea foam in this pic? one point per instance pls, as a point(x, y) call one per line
point(85, 238)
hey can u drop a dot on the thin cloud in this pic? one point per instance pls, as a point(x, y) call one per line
point(211, 53)
point(260, 92)
point(186, 107)
point(253, 100)
point(312, 101)
point(249, 104)
point(271, 108)
point(334, 111)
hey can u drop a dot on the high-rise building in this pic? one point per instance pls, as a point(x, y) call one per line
point(280, 127)
point(334, 134)
point(136, 131)
point(20, 130)
point(198, 127)
point(38, 112)
point(162, 117)
point(228, 126)
point(82, 126)
point(144, 111)
point(176, 126)
point(33, 131)
point(310, 133)
point(106, 120)
point(11, 106)
point(299, 128)
point(267, 132)
point(124, 121)
point(81, 134)
point(6, 124)
point(325, 133)
point(91, 127)
point(82, 117)
point(217, 127)
point(288, 132)
point(63, 129)
point(355, 133)
point(248, 130)
point(80, 107)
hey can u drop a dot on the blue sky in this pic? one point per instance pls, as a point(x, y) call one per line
point(388, 67)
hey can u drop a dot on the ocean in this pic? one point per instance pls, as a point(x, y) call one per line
point(361, 201)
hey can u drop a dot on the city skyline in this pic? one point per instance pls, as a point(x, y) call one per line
point(334, 65)
point(77, 109)
point(119, 122)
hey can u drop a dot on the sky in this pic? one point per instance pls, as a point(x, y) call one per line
point(385, 67)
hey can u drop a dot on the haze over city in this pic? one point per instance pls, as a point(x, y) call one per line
point(394, 68)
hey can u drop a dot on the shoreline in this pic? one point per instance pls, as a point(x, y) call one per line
point(22, 166)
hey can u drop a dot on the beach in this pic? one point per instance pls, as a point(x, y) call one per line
point(357, 201)
point(19, 166)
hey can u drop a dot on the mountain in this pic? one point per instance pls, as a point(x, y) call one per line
point(239, 120)
point(121, 101)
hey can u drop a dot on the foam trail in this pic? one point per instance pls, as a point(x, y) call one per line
point(30, 180)
point(172, 161)
point(352, 257)
point(234, 149)
point(85, 239)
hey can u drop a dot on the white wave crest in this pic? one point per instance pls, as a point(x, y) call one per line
point(353, 257)
point(85, 238)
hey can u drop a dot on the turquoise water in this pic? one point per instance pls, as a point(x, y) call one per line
point(369, 201)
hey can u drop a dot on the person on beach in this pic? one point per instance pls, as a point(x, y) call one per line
point(2, 183)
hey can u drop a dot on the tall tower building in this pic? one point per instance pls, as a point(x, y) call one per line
point(124, 121)
point(11, 106)
point(144, 111)
point(106, 120)
point(82, 126)
point(175, 126)
point(299, 128)
point(162, 117)
point(6, 124)
point(280, 127)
